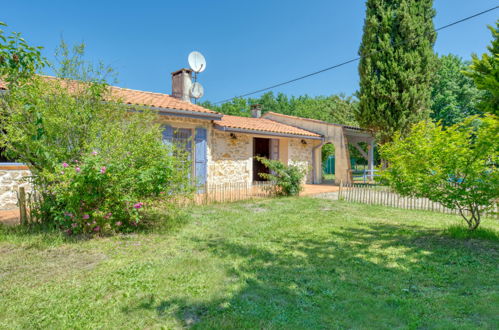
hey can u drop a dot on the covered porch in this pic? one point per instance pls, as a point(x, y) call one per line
point(338, 135)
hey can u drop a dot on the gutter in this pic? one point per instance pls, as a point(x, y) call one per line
point(250, 131)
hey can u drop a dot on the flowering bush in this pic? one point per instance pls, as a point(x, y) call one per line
point(95, 165)
point(98, 193)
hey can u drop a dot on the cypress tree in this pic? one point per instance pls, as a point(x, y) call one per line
point(397, 65)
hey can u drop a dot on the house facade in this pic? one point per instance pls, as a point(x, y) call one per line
point(222, 148)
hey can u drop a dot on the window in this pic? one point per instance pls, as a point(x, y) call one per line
point(191, 145)
point(182, 139)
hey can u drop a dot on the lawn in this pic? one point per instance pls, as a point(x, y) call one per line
point(283, 263)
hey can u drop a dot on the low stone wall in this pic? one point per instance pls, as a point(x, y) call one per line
point(11, 178)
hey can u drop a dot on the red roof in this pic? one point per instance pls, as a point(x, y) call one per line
point(263, 125)
point(150, 99)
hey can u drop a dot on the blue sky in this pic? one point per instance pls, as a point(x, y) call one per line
point(248, 44)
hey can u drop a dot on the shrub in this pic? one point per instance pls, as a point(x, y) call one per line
point(94, 163)
point(455, 166)
point(287, 179)
point(98, 193)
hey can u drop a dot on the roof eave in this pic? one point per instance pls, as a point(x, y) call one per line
point(258, 132)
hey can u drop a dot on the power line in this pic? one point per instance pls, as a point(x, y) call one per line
point(349, 61)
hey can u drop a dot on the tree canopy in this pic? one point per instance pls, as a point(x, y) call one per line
point(454, 96)
point(485, 72)
point(338, 109)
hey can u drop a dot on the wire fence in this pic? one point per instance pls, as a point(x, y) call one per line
point(383, 195)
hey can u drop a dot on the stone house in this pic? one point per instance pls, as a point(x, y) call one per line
point(222, 148)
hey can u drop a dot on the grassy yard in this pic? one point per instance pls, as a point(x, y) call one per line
point(282, 263)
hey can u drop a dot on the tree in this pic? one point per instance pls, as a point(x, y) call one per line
point(93, 162)
point(337, 109)
point(396, 66)
point(454, 95)
point(456, 166)
point(485, 72)
point(18, 59)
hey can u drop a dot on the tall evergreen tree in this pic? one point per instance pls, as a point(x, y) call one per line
point(397, 65)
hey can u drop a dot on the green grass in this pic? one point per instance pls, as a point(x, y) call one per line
point(284, 263)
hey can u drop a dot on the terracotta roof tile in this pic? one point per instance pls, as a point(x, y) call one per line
point(157, 100)
point(261, 124)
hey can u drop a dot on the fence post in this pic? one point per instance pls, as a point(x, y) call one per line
point(22, 206)
point(339, 192)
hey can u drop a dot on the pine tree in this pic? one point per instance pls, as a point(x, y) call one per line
point(397, 65)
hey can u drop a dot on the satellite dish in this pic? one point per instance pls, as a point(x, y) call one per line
point(197, 90)
point(197, 62)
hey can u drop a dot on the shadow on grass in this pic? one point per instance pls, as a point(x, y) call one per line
point(376, 276)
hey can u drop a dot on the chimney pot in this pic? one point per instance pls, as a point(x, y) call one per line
point(256, 110)
point(181, 84)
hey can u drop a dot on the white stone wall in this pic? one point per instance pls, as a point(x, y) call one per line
point(10, 181)
point(231, 159)
point(301, 155)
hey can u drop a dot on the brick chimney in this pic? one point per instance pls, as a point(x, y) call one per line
point(181, 84)
point(256, 110)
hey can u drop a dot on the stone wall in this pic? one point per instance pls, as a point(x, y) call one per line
point(301, 155)
point(10, 181)
point(231, 159)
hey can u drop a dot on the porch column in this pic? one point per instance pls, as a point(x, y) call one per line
point(342, 171)
point(370, 160)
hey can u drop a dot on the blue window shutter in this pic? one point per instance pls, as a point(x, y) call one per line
point(201, 157)
point(167, 135)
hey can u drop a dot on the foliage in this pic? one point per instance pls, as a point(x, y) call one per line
point(287, 179)
point(454, 95)
point(54, 123)
point(456, 166)
point(270, 263)
point(485, 73)
point(18, 60)
point(396, 66)
point(335, 108)
point(327, 150)
point(71, 64)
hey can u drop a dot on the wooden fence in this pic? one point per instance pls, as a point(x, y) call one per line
point(207, 194)
point(231, 192)
point(26, 202)
point(383, 195)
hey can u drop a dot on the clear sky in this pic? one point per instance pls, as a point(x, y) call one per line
point(248, 44)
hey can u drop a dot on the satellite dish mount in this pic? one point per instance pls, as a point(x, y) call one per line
point(197, 63)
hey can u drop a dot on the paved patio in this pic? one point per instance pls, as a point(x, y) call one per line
point(9, 217)
point(318, 189)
